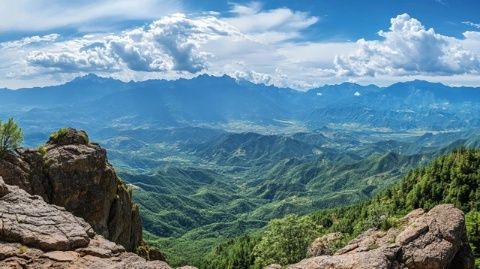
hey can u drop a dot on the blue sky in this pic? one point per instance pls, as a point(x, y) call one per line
point(298, 44)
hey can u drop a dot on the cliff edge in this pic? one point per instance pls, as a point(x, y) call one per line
point(70, 172)
point(35, 234)
point(423, 240)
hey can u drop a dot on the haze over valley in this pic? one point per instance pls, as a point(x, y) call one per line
point(241, 135)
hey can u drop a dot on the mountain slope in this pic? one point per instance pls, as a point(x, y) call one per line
point(224, 101)
point(452, 178)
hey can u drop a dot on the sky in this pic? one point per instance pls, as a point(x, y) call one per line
point(297, 44)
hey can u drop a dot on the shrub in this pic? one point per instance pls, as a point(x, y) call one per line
point(286, 240)
point(11, 136)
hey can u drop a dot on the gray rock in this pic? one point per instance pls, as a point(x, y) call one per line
point(433, 240)
point(29, 220)
point(41, 235)
point(3, 188)
point(72, 173)
point(324, 245)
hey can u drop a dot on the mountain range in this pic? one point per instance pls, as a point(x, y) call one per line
point(213, 158)
point(223, 102)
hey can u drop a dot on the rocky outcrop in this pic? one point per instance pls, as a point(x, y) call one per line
point(324, 245)
point(35, 234)
point(73, 173)
point(433, 240)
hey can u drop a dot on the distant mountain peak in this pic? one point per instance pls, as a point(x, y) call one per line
point(92, 78)
point(418, 83)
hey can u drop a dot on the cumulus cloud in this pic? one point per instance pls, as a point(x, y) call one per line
point(270, 26)
point(169, 44)
point(408, 48)
point(29, 41)
point(250, 43)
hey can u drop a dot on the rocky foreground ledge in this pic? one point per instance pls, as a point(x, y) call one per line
point(73, 173)
point(433, 240)
point(35, 234)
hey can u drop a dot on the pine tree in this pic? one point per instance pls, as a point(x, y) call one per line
point(11, 136)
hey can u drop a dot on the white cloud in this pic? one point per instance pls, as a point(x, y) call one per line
point(408, 48)
point(472, 24)
point(262, 46)
point(29, 41)
point(271, 25)
point(169, 44)
point(33, 15)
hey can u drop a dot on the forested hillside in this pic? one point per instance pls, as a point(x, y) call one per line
point(214, 158)
point(452, 178)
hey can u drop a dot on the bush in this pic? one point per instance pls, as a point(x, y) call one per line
point(472, 220)
point(286, 240)
point(11, 136)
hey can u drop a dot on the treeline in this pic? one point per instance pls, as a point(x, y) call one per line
point(452, 178)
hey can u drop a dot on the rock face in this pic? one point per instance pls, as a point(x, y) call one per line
point(324, 245)
point(34, 234)
point(433, 240)
point(72, 173)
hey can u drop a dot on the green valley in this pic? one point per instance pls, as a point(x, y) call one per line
point(211, 159)
point(452, 178)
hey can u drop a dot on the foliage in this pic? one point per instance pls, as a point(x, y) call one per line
point(22, 249)
point(11, 136)
point(189, 209)
point(286, 240)
point(42, 149)
point(472, 220)
point(149, 252)
point(452, 178)
point(235, 253)
point(59, 133)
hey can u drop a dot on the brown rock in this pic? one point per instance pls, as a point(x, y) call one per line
point(29, 220)
point(72, 173)
point(3, 188)
point(42, 235)
point(433, 240)
point(68, 136)
point(274, 266)
point(61, 256)
point(324, 245)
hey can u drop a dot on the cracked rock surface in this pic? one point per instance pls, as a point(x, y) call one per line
point(433, 240)
point(75, 174)
point(35, 234)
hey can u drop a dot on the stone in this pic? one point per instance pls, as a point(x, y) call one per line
point(31, 221)
point(324, 245)
point(72, 173)
point(68, 136)
point(433, 240)
point(35, 234)
point(274, 266)
point(61, 256)
point(3, 188)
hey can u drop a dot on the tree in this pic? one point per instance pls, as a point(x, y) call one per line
point(286, 240)
point(11, 136)
point(472, 220)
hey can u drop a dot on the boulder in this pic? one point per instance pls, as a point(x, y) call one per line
point(73, 173)
point(35, 234)
point(433, 240)
point(324, 245)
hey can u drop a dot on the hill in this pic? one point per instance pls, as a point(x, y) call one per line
point(452, 178)
point(223, 102)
